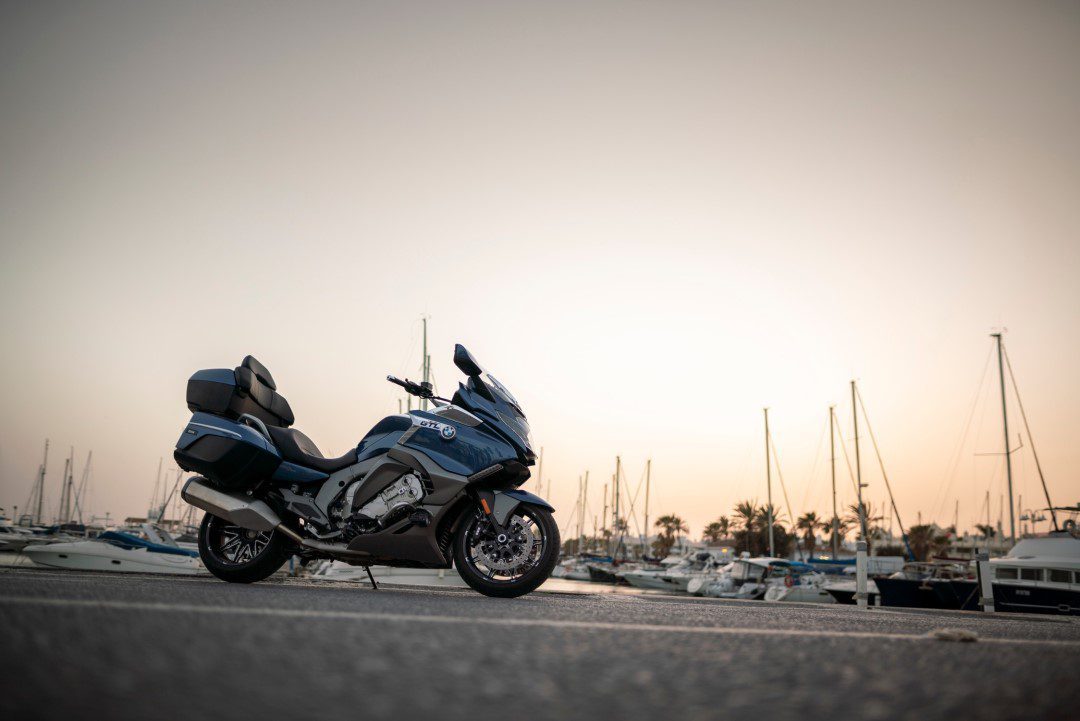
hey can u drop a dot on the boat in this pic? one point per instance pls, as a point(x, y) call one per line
point(797, 583)
point(14, 538)
point(676, 577)
point(145, 550)
point(609, 572)
point(1039, 575)
point(744, 578)
point(844, 591)
point(925, 585)
point(575, 568)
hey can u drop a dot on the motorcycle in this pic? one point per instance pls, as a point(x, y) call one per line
point(428, 489)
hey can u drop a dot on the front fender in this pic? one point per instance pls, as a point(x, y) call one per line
point(506, 502)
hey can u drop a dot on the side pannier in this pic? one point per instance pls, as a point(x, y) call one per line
point(228, 453)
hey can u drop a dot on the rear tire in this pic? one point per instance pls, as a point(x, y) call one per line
point(239, 555)
point(509, 584)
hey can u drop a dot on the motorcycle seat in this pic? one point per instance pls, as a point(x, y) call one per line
point(297, 448)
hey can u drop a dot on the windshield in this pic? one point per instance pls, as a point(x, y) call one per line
point(501, 390)
point(515, 419)
point(486, 395)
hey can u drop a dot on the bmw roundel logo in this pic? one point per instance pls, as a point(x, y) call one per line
point(448, 432)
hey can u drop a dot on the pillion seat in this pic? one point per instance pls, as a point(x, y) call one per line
point(247, 389)
point(251, 390)
point(297, 448)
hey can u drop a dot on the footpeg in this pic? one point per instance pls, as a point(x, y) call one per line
point(420, 518)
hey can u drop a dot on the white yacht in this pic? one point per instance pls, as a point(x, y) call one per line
point(676, 578)
point(747, 578)
point(843, 591)
point(1039, 575)
point(15, 539)
point(796, 586)
point(147, 550)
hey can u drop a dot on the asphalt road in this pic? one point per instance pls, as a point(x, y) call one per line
point(82, 645)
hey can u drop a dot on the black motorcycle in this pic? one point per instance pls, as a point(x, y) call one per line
point(424, 489)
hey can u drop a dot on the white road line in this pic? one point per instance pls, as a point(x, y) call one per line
point(510, 622)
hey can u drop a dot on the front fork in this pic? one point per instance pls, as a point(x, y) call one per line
point(498, 506)
point(486, 500)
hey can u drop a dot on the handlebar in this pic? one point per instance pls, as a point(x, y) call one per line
point(422, 390)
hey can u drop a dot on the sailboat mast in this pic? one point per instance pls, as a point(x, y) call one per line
point(1031, 442)
point(584, 499)
point(579, 514)
point(540, 472)
point(648, 474)
point(605, 506)
point(69, 491)
point(81, 490)
point(858, 464)
point(1005, 426)
point(832, 471)
point(63, 492)
point(426, 363)
point(618, 472)
point(41, 485)
point(153, 498)
point(768, 487)
point(616, 518)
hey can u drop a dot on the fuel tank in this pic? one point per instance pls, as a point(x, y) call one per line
point(455, 440)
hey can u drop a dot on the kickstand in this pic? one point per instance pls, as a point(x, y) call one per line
point(374, 585)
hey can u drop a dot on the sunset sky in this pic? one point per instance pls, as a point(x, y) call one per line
point(649, 220)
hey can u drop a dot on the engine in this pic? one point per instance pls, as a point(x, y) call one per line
point(397, 500)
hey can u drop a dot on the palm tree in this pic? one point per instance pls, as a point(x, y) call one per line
point(745, 517)
point(926, 541)
point(873, 519)
point(724, 524)
point(763, 516)
point(781, 538)
point(746, 513)
point(838, 527)
point(671, 527)
point(810, 524)
point(986, 530)
point(717, 530)
point(712, 533)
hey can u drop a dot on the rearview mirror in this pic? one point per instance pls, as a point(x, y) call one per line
point(464, 360)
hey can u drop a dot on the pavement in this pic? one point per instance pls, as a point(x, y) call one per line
point(115, 646)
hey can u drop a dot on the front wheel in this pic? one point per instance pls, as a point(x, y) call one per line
point(240, 555)
point(511, 563)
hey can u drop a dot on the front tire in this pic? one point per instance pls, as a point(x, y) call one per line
point(514, 567)
point(240, 555)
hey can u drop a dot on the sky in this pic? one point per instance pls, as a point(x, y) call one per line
point(649, 220)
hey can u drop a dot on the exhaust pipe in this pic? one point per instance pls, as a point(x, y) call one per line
point(244, 512)
point(254, 514)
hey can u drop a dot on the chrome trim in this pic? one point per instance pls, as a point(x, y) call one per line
point(241, 511)
point(259, 425)
point(490, 470)
point(234, 434)
point(457, 413)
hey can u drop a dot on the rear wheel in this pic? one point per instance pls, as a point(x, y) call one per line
point(509, 563)
point(240, 555)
